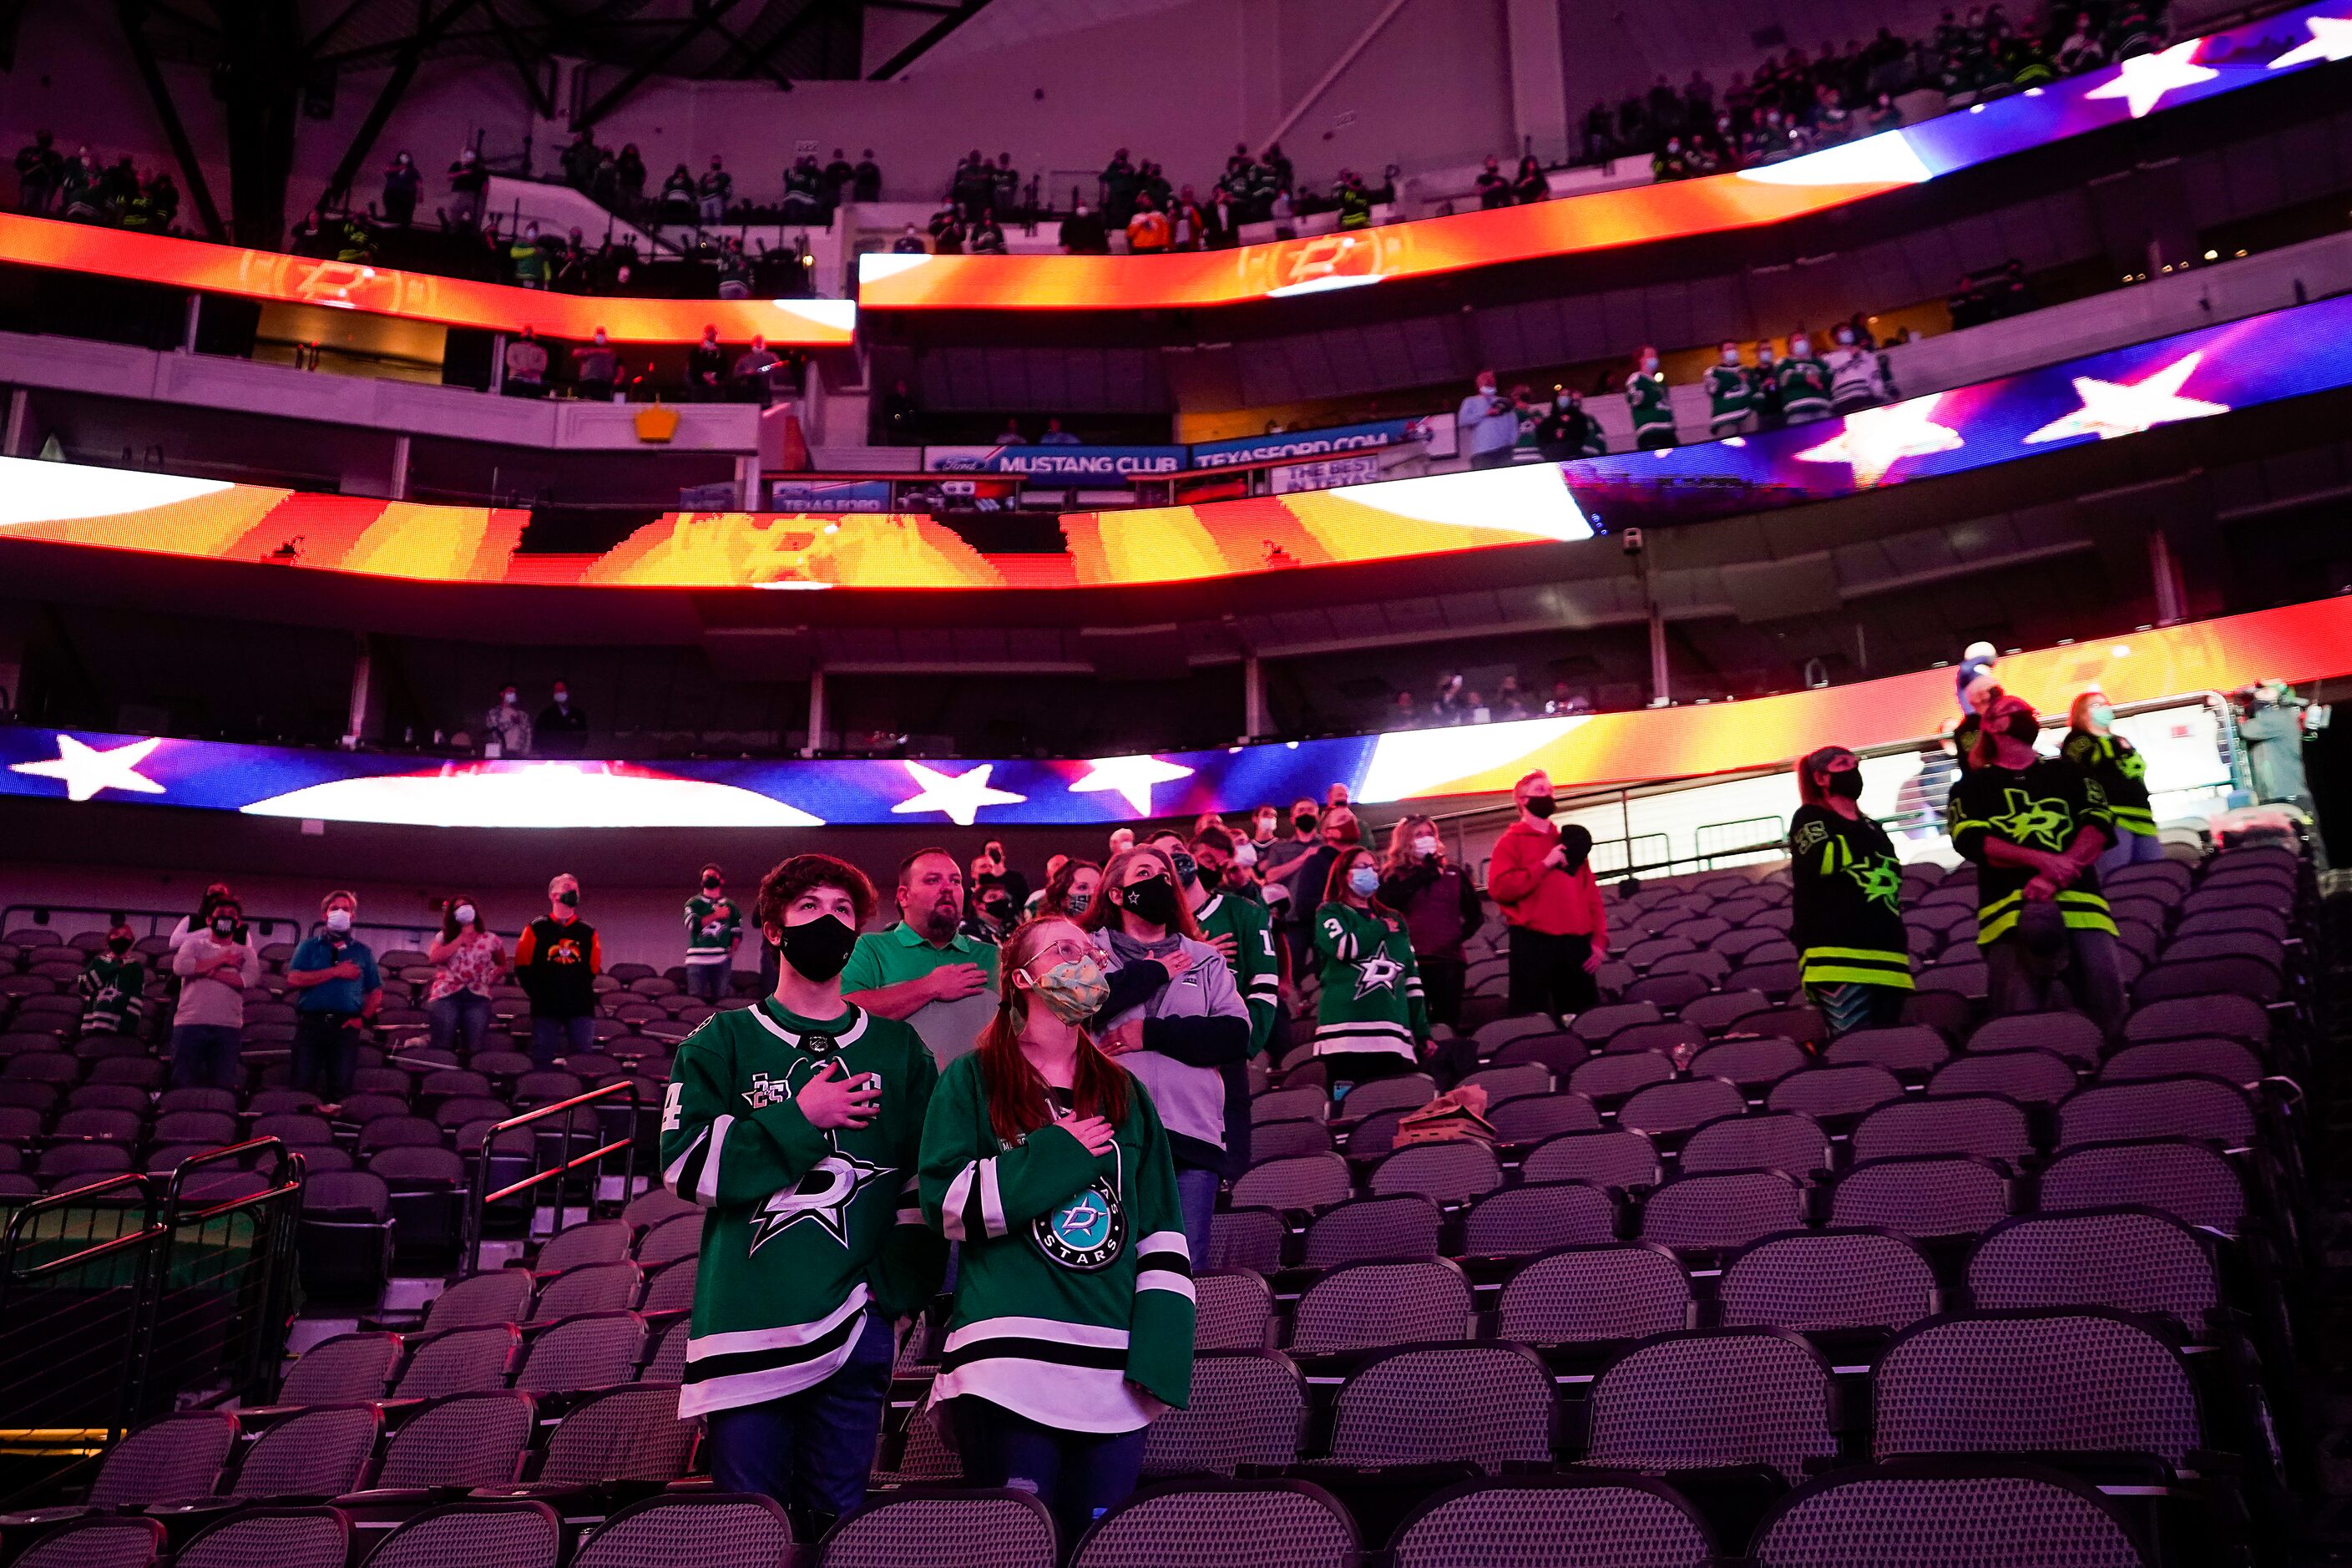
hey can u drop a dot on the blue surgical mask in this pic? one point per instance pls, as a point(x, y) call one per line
point(1364, 881)
point(2102, 714)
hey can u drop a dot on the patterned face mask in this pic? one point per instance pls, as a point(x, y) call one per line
point(1075, 990)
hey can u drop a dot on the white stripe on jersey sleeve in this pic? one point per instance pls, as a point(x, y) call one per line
point(706, 1188)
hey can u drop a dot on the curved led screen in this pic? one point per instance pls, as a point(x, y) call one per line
point(2099, 397)
point(415, 296)
point(2298, 643)
point(2219, 62)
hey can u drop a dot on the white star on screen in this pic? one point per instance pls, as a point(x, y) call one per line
point(1131, 777)
point(2112, 408)
point(1875, 439)
point(86, 771)
point(961, 797)
point(2143, 79)
point(2331, 39)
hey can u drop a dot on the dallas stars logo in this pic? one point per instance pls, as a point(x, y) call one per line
point(823, 1198)
point(1881, 882)
point(1378, 972)
point(2034, 823)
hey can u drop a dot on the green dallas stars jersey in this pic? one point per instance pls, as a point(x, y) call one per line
point(1803, 386)
point(1849, 923)
point(712, 926)
point(1371, 987)
point(1730, 395)
point(1074, 1294)
point(2040, 807)
point(1257, 973)
point(804, 1230)
point(1645, 400)
point(2121, 772)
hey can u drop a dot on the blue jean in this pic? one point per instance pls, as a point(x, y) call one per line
point(1196, 1200)
point(461, 1015)
point(204, 1056)
point(551, 1037)
point(709, 981)
point(812, 1450)
point(1078, 1476)
point(2129, 849)
point(325, 1053)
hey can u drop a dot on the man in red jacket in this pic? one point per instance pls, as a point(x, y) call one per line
point(1542, 881)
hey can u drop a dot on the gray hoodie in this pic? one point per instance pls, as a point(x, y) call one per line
point(1192, 1025)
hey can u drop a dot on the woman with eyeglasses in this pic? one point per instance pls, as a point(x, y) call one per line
point(1371, 1021)
point(1174, 1017)
point(1853, 953)
point(1072, 1327)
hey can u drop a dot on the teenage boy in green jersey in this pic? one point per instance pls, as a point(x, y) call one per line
point(796, 1123)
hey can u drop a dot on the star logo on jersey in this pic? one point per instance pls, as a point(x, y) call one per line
point(1881, 882)
point(822, 1198)
point(2036, 824)
point(1378, 972)
point(1086, 1232)
point(766, 1091)
point(2131, 766)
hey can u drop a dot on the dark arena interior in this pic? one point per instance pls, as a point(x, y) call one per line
point(1175, 783)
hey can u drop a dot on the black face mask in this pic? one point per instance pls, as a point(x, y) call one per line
point(1541, 805)
point(819, 949)
point(1188, 870)
point(568, 898)
point(118, 944)
point(1153, 899)
point(2022, 727)
point(1847, 785)
point(711, 884)
point(1304, 822)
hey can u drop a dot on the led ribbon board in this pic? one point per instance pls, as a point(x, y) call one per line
point(2298, 643)
point(415, 296)
point(2219, 62)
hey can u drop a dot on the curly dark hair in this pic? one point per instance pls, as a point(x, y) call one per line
point(797, 874)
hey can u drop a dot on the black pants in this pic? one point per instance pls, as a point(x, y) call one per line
point(1442, 977)
point(1547, 974)
point(1352, 1068)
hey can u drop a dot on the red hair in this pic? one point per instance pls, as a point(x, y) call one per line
point(1018, 1103)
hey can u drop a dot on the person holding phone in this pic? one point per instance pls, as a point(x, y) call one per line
point(795, 1123)
point(1441, 909)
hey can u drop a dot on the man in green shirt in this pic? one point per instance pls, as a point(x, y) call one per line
point(921, 970)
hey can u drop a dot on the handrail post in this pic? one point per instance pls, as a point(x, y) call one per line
point(478, 1197)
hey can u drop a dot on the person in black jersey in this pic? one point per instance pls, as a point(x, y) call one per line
point(2093, 745)
point(1851, 948)
point(2034, 825)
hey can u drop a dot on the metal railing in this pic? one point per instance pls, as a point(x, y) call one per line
point(119, 1297)
point(479, 1195)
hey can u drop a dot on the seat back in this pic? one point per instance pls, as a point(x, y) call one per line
point(1584, 1295)
point(318, 1454)
point(1369, 1305)
point(1778, 1141)
point(1248, 1407)
point(463, 1440)
point(1724, 1209)
point(1621, 1159)
point(271, 1538)
point(1922, 1196)
point(1710, 1397)
point(729, 1529)
point(1401, 1225)
point(2192, 1181)
point(1964, 1512)
point(1488, 1405)
point(937, 1530)
point(2034, 1382)
point(1562, 1521)
point(1812, 1281)
point(1536, 1216)
point(1289, 1522)
point(2132, 1259)
point(513, 1534)
point(1985, 1125)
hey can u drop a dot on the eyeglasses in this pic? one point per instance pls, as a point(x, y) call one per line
point(1066, 952)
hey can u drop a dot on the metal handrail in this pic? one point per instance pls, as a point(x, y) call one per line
point(50, 1202)
point(480, 1198)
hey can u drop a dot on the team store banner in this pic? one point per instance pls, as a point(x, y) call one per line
point(2195, 69)
point(2298, 643)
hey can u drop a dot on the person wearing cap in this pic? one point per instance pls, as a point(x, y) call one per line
point(2273, 722)
point(1542, 878)
point(1975, 672)
point(2035, 826)
point(2093, 745)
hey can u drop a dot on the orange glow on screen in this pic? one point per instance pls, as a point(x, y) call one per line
point(415, 296)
